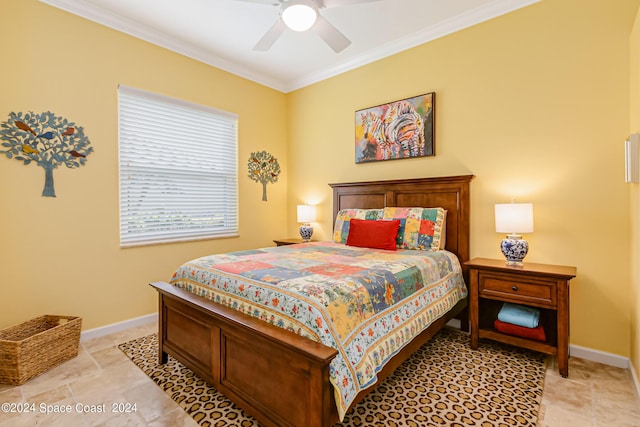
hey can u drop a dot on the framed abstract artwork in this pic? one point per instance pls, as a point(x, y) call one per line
point(398, 130)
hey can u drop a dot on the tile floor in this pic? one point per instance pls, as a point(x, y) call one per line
point(100, 385)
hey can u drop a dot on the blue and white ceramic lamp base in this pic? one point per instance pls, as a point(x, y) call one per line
point(514, 248)
point(305, 232)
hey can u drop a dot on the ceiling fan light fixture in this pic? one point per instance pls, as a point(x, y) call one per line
point(299, 15)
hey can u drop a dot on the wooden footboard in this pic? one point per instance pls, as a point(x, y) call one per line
point(278, 377)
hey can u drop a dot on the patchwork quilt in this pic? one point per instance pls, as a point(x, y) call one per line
point(365, 303)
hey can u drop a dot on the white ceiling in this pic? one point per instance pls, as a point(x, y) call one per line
point(222, 33)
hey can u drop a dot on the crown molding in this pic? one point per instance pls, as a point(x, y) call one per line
point(467, 19)
point(116, 22)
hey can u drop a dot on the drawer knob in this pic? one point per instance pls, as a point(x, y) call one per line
point(514, 288)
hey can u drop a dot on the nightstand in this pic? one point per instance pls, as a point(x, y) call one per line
point(492, 282)
point(284, 242)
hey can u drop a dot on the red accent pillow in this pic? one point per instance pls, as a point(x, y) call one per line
point(373, 234)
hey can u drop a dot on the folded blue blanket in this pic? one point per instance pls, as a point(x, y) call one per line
point(520, 315)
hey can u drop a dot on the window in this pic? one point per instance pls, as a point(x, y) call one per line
point(178, 170)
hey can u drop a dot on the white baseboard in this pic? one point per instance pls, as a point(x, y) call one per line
point(574, 350)
point(117, 327)
point(599, 356)
point(634, 374)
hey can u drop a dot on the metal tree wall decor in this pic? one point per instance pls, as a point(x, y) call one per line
point(46, 140)
point(263, 168)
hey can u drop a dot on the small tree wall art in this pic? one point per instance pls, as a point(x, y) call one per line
point(45, 140)
point(263, 168)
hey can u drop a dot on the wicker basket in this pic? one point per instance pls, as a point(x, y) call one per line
point(33, 347)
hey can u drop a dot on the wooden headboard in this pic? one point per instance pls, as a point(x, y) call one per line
point(448, 192)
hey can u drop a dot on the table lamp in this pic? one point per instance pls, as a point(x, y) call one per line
point(514, 218)
point(306, 215)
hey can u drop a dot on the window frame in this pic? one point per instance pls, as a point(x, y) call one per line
point(172, 195)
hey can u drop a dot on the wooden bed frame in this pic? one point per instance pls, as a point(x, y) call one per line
point(278, 377)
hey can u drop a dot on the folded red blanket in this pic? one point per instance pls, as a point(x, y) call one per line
point(520, 331)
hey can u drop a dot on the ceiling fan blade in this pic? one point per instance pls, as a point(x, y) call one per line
point(331, 35)
point(271, 36)
point(340, 3)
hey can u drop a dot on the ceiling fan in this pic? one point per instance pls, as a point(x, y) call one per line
point(302, 15)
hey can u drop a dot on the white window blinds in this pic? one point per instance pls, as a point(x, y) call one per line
point(178, 170)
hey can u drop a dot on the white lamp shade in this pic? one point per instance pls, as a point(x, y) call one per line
point(299, 15)
point(306, 213)
point(514, 218)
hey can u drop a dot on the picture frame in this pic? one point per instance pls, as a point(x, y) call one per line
point(400, 129)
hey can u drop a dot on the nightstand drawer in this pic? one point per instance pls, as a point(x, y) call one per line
point(525, 290)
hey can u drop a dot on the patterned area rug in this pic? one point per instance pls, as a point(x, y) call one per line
point(445, 383)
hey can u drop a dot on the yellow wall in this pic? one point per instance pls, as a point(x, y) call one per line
point(61, 255)
point(535, 104)
point(634, 195)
